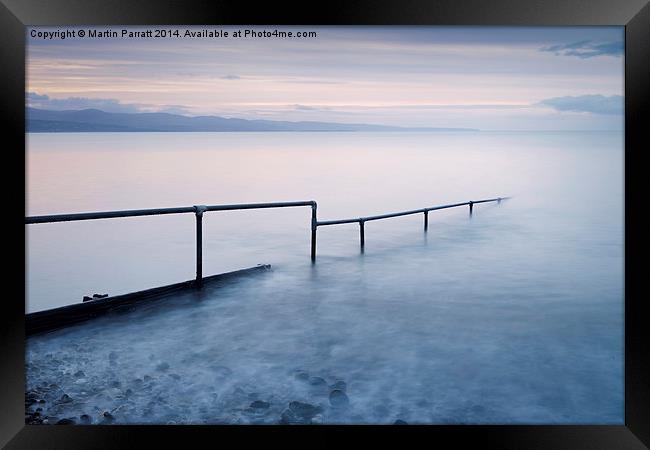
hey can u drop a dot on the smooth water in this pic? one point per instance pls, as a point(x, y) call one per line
point(514, 315)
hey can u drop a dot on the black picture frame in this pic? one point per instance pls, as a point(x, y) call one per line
point(15, 15)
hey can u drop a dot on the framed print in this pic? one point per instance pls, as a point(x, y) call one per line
point(385, 218)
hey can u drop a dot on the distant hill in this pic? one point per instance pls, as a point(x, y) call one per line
point(89, 120)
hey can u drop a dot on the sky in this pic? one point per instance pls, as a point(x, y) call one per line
point(490, 78)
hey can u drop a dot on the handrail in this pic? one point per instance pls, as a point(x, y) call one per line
point(157, 211)
point(406, 213)
point(362, 220)
point(198, 211)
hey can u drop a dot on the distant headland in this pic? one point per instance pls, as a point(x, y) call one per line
point(95, 120)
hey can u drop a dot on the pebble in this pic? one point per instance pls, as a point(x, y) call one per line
point(162, 366)
point(85, 419)
point(299, 413)
point(65, 398)
point(340, 385)
point(34, 418)
point(291, 418)
point(65, 422)
point(304, 409)
point(260, 404)
point(338, 398)
point(30, 398)
point(79, 374)
point(400, 422)
point(317, 381)
point(302, 375)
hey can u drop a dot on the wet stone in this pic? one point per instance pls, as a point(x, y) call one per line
point(65, 422)
point(85, 419)
point(291, 418)
point(34, 417)
point(30, 398)
point(112, 356)
point(79, 374)
point(338, 398)
point(260, 404)
point(340, 385)
point(400, 422)
point(301, 375)
point(65, 398)
point(115, 384)
point(317, 381)
point(162, 367)
point(299, 413)
point(305, 409)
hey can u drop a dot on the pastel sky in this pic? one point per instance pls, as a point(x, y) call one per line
point(491, 78)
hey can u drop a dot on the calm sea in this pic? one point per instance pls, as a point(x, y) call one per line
point(514, 315)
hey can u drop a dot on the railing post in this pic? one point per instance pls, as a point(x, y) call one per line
point(426, 220)
point(198, 212)
point(471, 207)
point(362, 237)
point(499, 200)
point(314, 227)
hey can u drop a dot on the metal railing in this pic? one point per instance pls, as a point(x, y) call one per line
point(198, 211)
point(362, 220)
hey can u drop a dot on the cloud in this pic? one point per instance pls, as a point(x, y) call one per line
point(175, 109)
point(35, 100)
point(40, 101)
point(305, 108)
point(595, 104)
point(587, 49)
